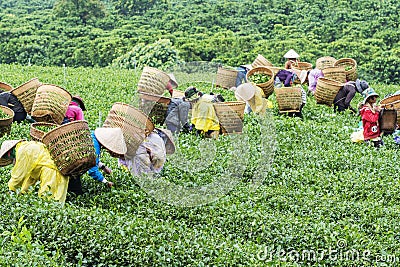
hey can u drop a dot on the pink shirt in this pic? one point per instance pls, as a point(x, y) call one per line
point(74, 112)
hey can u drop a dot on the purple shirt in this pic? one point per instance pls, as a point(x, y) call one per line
point(313, 77)
point(74, 112)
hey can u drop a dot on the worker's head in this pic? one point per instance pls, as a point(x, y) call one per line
point(7, 152)
point(112, 139)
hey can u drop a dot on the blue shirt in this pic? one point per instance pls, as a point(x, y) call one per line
point(94, 172)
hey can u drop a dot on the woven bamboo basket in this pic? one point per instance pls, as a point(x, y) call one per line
point(388, 120)
point(302, 66)
point(71, 147)
point(135, 125)
point(230, 116)
point(324, 62)
point(326, 91)
point(153, 81)
point(350, 66)
point(226, 78)
point(335, 73)
point(392, 102)
point(26, 93)
point(261, 61)
point(39, 129)
point(154, 106)
point(5, 87)
point(288, 99)
point(5, 123)
point(51, 104)
point(267, 87)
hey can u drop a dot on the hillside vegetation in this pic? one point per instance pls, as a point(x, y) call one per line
point(160, 33)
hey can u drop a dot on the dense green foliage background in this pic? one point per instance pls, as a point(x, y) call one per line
point(128, 32)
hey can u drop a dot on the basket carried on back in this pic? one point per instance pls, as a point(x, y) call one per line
point(302, 66)
point(325, 62)
point(51, 104)
point(261, 61)
point(267, 86)
point(350, 67)
point(26, 93)
point(71, 147)
point(153, 81)
point(39, 129)
point(226, 78)
point(154, 106)
point(288, 99)
point(6, 119)
point(335, 73)
point(230, 116)
point(135, 125)
point(388, 120)
point(326, 91)
point(5, 87)
point(392, 102)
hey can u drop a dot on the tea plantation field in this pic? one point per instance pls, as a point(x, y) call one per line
point(288, 192)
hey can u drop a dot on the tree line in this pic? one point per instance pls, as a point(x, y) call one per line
point(161, 33)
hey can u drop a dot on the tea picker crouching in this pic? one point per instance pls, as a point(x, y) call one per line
point(370, 116)
point(32, 164)
point(113, 141)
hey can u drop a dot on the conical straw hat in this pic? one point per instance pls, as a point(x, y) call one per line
point(112, 139)
point(245, 91)
point(6, 146)
point(170, 145)
point(291, 54)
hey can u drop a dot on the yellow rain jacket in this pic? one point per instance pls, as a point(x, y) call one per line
point(203, 114)
point(258, 103)
point(33, 163)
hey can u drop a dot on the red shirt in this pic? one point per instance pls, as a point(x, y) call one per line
point(74, 112)
point(370, 122)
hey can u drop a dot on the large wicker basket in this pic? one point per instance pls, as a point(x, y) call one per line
point(326, 91)
point(5, 123)
point(275, 70)
point(288, 99)
point(230, 116)
point(335, 73)
point(267, 87)
point(302, 66)
point(5, 87)
point(261, 61)
point(350, 66)
point(392, 102)
point(388, 120)
point(39, 129)
point(71, 147)
point(324, 62)
point(26, 93)
point(51, 104)
point(135, 125)
point(153, 81)
point(226, 78)
point(154, 106)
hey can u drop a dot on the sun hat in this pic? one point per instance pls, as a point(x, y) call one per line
point(112, 139)
point(190, 91)
point(173, 80)
point(245, 91)
point(6, 146)
point(166, 135)
point(367, 93)
point(291, 54)
point(303, 76)
point(361, 85)
point(80, 100)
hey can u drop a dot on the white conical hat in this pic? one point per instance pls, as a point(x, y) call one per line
point(112, 139)
point(245, 91)
point(291, 54)
point(6, 146)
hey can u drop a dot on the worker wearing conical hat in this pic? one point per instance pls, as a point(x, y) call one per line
point(291, 58)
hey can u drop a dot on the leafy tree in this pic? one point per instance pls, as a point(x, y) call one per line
point(160, 54)
point(86, 10)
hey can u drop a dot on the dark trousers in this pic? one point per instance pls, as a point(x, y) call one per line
point(75, 185)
